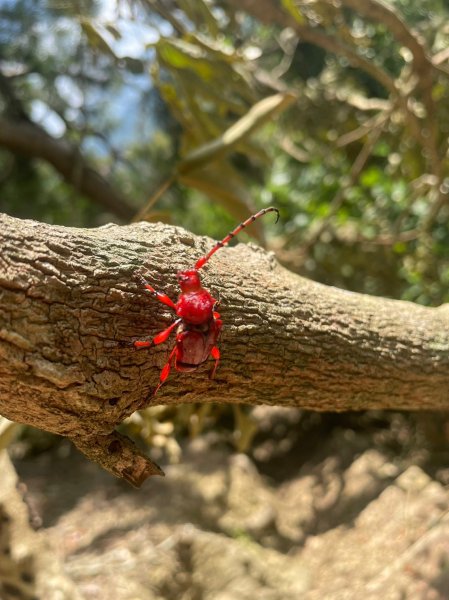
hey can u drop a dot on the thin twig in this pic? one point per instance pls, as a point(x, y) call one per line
point(354, 174)
point(423, 68)
point(268, 12)
point(144, 212)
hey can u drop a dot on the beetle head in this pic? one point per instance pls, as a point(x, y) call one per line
point(189, 281)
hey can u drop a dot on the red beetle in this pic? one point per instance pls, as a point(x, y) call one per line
point(198, 323)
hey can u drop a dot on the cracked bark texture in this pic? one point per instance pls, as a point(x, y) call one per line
point(68, 297)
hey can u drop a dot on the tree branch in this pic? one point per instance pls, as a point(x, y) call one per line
point(268, 12)
point(29, 139)
point(357, 167)
point(68, 298)
point(423, 67)
point(377, 10)
point(425, 131)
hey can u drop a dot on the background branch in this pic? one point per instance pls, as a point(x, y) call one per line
point(28, 139)
point(269, 13)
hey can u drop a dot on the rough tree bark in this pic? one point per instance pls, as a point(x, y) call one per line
point(69, 296)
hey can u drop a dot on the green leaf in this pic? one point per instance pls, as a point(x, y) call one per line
point(179, 54)
point(134, 65)
point(258, 114)
point(200, 14)
point(95, 37)
point(293, 10)
point(114, 32)
point(400, 248)
point(371, 177)
point(216, 49)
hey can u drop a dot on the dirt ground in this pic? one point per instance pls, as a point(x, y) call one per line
point(326, 507)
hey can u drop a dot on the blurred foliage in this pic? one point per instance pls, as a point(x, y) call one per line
point(162, 426)
point(167, 95)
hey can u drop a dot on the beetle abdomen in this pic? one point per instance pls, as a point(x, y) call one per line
point(194, 346)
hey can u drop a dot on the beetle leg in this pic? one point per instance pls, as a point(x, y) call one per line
point(158, 295)
point(159, 338)
point(215, 313)
point(165, 371)
point(215, 353)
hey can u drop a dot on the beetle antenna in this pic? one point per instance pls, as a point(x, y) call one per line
point(202, 261)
